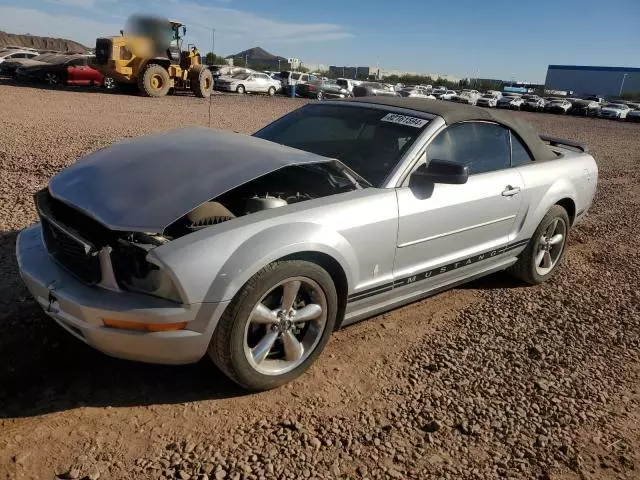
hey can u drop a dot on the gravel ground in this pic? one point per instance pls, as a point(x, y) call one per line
point(493, 379)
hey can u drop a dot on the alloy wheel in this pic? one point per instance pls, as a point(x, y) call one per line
point(51, 78)
point(285, 326)
point(550, 246)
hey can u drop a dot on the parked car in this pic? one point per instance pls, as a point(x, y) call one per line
point(416, 91)
point(487, 100)
point(511, 102)
point(617, 111)
point(596, 98)
point(633, 116)
point(12, 54)
point(8, 67)
point(331, 214)
point(561, 106)
point(585, 108)
point(295, 78)
point(218, 71)
point(321, 89)
point(448, 95)
point(348, 83)
point(374, 89)
point(469, 97)
point(64, 70)
point(438, 91)
point(254, 82)
point(533, 103)
point(632, 105)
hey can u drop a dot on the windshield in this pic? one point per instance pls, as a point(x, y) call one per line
point(616, 106)
point(369, 141)
point(295, 76)
point(242, 76)
point(343, 83)
point(487, 96)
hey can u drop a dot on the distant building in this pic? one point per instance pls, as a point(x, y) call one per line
point(606, 81)
point(259, 58)
point(380, 73)
point(349, 72)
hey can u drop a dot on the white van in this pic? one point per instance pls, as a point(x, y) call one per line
point(348, 83)
point(295, 78)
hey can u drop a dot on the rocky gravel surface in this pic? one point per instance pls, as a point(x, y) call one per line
point(494, 379)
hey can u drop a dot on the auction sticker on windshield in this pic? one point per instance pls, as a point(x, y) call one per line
point(405, 120)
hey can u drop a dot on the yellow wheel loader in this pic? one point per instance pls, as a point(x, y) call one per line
point(152, 59)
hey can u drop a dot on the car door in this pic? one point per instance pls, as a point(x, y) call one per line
point(262, 82)
point(453, 230)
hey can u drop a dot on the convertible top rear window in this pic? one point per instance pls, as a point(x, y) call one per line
point(369, 141)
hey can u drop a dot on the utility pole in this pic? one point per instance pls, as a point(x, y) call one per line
point(622, 83)
point(213, 45)
point(245, 60)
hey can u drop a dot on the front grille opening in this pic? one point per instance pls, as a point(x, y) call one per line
point(68, 236)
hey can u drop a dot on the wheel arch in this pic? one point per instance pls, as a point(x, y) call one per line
point(214, 277)
point(163, 62)
point(334, 268)
point(561, 192)
point(570, 206)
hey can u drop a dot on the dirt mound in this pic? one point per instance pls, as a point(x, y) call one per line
point(41, 43)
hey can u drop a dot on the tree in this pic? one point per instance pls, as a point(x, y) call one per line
point(213, 59)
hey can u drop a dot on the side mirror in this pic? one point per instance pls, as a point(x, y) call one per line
point(441, 171)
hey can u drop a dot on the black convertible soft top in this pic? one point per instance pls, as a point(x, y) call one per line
point(458, 112)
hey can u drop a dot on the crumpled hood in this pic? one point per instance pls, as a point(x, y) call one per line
point(147, 183)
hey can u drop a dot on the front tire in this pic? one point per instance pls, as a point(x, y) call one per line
point(154, 81)
point(201, 81)
point(540, 259)
point(240, 90)
point(271, 91)
point(276, 325)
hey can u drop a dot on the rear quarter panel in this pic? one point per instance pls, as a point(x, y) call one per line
point(572, 176)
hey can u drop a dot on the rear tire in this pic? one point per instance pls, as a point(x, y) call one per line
point(241, 331)
point(201, 81)
point(531, 267)
point(154, 81)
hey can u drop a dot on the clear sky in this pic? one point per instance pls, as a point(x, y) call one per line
point(489, 39)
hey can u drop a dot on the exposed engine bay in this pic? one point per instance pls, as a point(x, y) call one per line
point(288, 185)
point(122, 256)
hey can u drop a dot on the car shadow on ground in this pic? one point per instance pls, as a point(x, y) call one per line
point(44, 369)
point(496, 280)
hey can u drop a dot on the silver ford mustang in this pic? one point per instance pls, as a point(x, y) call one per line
point(253, 249)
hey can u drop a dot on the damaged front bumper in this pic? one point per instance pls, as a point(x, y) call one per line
point(81, 310)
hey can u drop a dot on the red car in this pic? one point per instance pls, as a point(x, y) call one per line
point(67, 70)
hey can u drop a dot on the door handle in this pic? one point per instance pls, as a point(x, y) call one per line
point(510, 191)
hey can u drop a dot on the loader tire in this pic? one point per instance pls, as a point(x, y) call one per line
point(154, 81)
point(201, 81)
